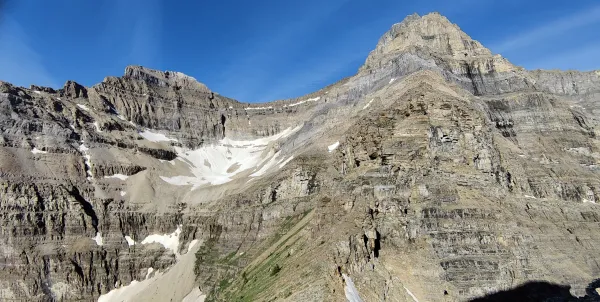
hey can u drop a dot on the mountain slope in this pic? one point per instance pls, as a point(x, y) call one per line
point(439, 172)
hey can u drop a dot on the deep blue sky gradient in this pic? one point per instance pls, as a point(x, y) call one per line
point(266, 50)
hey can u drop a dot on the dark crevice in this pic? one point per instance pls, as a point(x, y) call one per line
point(87, 207)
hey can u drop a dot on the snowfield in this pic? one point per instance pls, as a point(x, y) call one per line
point(350, 290)
point(169, 241)
point(333, 146)
point(119, 176)
point(219, 163)
point(98, 239)
point(130, 241)
point(302, 102)
point(37, 151)
point(155, 137)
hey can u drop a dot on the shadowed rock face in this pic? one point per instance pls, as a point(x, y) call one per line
point(439, 172)
point(541, 291)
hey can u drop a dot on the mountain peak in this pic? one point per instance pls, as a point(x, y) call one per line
point(432, 32)
point(163, 78)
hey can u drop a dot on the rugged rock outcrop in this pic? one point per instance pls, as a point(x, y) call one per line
point(439, 172)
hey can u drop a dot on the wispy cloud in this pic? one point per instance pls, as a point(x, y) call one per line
point(549, 30)
point(20, 63)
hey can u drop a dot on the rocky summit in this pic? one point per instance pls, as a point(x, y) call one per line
point(439, 172)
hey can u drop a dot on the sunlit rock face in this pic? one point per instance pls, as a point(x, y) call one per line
point(439, 172)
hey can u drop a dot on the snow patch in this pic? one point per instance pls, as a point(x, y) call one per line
point(286, 161)
point(84, 107)
point(392, 80)
point(130, 241)
point(302, 102)
point(127, 292)
point(87, 161)
point(411, 294)
point(192, 244)
point(123, 193)
point(169, 241)
point(219, 163)
point(155, 137)
point(150, 270)
point(98, 239)
point(333, 146)
point(585, 200)
point(119, 176)
point(37, 91)
point(368, 104)
point(350, 290)
point(259, 108)
point(529, 196)
point(38, 151)
point(97, 127)
point(271, 163)
point(194, 296)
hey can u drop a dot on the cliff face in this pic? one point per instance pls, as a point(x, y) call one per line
point(439, 172)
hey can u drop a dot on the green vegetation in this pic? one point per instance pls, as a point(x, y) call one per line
point(258, 278)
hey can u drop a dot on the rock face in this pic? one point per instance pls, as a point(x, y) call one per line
point(439, 172)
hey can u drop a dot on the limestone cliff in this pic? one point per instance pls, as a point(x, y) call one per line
point(439, 172)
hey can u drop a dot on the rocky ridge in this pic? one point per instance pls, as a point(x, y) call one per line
point(439, 172)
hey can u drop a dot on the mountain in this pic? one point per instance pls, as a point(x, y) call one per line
point(439, 172)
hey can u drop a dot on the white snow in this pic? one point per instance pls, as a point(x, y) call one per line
point(218, 164)
point(585, 200)
point(123, 193)
point(333, 146)
point(286, 161)
point(97, 127)
point(38, 151)
point(411, 294)
point(272, 161)
point(169, 241)
point(529, 196)
point(192, 244)
point(302, 102)
point(87, 160)
point(392, 80)
point(368, 104)
point(350, 290)
point(194, 296)
point(119, 176)
point(98, 239)
point(259, 108)
point(130, 241)
point(37, 91)
point(150, 270)
point(155, 137)
point(84, 107)
point(127, 292)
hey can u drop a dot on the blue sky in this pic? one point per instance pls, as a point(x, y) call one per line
point(272, 49)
